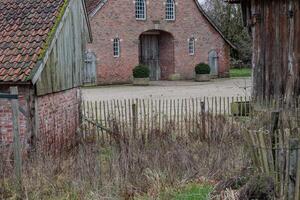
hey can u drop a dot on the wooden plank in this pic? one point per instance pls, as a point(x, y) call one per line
point(134, 120)
point(203, 121)
point(16, 142)
point(297, 184)
point(293, 161)
point(263, 149)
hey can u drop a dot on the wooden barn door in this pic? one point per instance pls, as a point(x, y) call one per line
point(89, 70)
point(213, 63)
point(150, 55)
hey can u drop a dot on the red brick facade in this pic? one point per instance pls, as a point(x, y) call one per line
point(117, 19)
point(57, 118)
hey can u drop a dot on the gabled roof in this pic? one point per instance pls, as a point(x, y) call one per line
point(95, 5)
point(24, 28)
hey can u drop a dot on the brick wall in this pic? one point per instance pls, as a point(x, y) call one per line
point(58, 119)
point(166, 55)
point(117, 19)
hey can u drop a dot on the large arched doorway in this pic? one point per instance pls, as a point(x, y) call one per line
point(157, 52)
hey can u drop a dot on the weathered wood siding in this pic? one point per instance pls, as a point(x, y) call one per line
point(275, 27)
point(63, 69)
point(90, 69)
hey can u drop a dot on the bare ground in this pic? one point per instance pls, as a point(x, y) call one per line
point(171, 90)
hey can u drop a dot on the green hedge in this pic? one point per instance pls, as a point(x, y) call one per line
point(141, 71)
point(202, 68)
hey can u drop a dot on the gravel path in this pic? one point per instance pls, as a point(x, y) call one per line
point(171, 90)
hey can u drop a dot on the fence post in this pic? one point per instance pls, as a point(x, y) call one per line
point(274, 138)
point(293, 161)
point(16, 141)
point(297, 184)
point(134, 119)
point(203, 120)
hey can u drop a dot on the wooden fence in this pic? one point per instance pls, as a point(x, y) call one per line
point(276, 153)
point(142, 116)
point(180, 116)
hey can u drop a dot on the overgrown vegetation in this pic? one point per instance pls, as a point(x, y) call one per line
point(141, 71)
point(117, 163)
point(202, 68)
point(158, 166)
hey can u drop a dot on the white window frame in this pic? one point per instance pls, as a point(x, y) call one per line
point(116, 47)
point(170, 4)
point(191, 46)
point(140, 9)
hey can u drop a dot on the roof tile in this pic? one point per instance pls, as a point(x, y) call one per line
point(24, 28)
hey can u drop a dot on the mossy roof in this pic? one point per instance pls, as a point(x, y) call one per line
point(26, 27)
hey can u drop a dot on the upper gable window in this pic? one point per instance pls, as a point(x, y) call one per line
point(170, 10)
point(140, 9)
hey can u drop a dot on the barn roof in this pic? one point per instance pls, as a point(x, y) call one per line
point(93, 6)
point(26, 29)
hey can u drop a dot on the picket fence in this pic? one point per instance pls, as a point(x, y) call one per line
point(142, 116)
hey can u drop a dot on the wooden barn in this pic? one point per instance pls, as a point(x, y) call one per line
point(42, 44)
point(275, 29)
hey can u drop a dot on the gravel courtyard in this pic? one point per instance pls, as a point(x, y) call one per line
point(171, 90)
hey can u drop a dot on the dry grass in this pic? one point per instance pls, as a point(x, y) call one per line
point(125, 168)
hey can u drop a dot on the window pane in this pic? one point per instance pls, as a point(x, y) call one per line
point(170, 10)
point(116, 47)
point(140, 8)
point(192, 46)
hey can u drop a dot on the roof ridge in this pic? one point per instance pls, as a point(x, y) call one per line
point(98, 7)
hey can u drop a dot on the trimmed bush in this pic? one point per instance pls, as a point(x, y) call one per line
point(202, 68)
point(141, 71)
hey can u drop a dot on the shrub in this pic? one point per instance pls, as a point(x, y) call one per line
point(141, 71)
point(202, 68)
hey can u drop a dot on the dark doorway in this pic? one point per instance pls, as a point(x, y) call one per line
point(150, 55)
point(157, 52)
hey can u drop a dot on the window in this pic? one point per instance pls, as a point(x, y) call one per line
point(140, 9)
point(116, 46)
point(170, 10)
point(192, 46)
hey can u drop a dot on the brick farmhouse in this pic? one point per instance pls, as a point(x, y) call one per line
point(170, 36)
point(41, 48)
